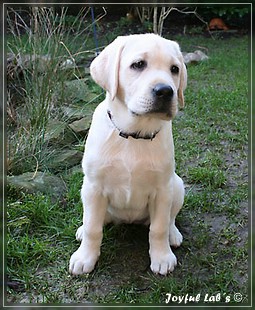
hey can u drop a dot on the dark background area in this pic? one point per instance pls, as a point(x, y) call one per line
point(236, 17)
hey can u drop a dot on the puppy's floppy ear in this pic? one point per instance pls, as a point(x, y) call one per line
point(183, 73)
point(104, 69)
point(183, 84)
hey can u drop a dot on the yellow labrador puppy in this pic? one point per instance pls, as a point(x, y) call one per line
point(129, 162)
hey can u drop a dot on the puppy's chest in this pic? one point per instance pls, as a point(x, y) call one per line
point(131, 176)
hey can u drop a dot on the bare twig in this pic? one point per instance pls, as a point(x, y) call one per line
point(158, 23)
point(155, 20)
point(144, 13)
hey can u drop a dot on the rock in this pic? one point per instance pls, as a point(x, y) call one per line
point(18, 62)
point(31, 182)
point(68, 64)
point(59, 133)
point(194, 57)
point(81, 126)
point(75, 90)
point(65, 159)
point(75, 169)
point(72, 113)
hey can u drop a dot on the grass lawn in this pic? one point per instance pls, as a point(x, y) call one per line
point(211, 146)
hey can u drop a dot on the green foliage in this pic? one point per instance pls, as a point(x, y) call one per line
point(226, 11)
point(36, 79)
point(213, 178)
point(230, 11)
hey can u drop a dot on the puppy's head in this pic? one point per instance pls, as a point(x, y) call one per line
point(145, 72)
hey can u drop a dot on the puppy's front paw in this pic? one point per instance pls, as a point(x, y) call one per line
point(175, 237)
point(81, 263)
point(163, 263)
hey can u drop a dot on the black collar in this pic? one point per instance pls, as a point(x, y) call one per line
point(135, 135)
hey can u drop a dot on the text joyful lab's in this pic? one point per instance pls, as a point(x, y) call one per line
point(184, 299)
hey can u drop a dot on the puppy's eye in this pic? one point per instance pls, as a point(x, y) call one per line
point(139, 65)
point(174, 69)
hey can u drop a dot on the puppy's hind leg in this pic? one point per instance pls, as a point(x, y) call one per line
point(79, 233)
point(175, 237)
point(91, 233)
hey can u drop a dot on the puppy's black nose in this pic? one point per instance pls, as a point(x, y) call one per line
point(163, 91)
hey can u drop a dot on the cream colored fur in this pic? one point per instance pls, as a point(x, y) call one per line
point(132, 180)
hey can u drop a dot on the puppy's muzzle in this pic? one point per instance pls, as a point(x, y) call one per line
point(162, 94)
